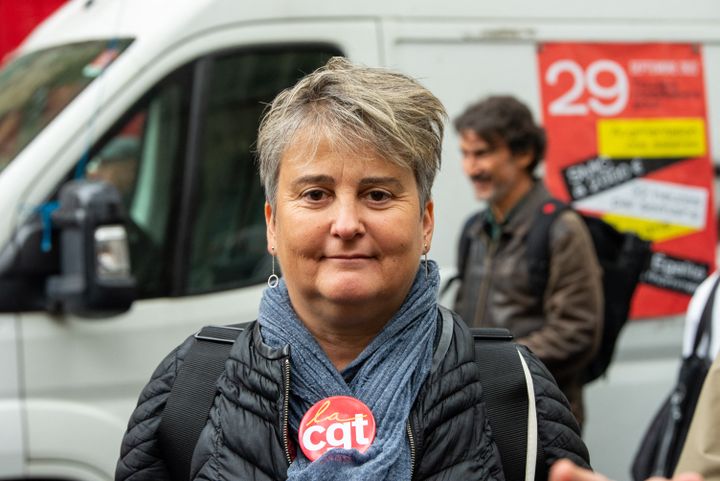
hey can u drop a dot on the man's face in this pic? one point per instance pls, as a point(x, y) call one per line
point(496, 174)
point(119, 172)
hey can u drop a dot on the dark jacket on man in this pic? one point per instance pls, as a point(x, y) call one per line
point(563, 325)
point(246, 436)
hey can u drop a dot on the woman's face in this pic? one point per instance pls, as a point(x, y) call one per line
point(348, 232)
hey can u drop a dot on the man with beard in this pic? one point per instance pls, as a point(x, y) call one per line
point(501, 146)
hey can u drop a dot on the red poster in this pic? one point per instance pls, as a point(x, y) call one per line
point(627, 141)
point(19, 19)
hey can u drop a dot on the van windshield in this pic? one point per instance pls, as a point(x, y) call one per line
point(36, 87)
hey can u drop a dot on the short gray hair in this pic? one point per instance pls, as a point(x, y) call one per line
point(355, 107)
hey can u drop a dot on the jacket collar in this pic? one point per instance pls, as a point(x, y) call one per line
point(527, 208)
point(520, 216)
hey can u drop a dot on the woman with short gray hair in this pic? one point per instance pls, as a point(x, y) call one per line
point(351, 371)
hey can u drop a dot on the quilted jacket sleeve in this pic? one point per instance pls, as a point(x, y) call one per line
point(140, 457)
point(558, 430)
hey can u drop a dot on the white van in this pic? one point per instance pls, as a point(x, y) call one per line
point(162, 100)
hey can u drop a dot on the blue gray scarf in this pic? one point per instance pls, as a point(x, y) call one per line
point(386, 376)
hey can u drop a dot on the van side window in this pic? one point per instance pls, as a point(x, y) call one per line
point(228, 238)
point(142, 158)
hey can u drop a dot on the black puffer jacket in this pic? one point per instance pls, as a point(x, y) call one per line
point(246, 436)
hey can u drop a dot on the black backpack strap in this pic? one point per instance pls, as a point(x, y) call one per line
point(446, 334)
point(465, 240)
point(510, 400)
point(538, 244)
point(188, 406)
point(462, 252)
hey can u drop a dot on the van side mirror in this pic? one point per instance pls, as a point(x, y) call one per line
point(95, 278)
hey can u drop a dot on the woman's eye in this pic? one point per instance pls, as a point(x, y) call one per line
point(315, 195)
point(378, 195)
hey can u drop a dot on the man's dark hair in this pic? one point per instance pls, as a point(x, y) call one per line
point(504, 119)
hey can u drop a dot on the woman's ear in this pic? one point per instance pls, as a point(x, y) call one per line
point(428, 221)
point(270, 228)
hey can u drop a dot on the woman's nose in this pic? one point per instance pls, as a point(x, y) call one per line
point(347, 222)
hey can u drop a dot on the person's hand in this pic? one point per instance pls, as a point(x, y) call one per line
point(566, 470)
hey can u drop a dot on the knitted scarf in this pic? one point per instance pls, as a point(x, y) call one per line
point(386, 376)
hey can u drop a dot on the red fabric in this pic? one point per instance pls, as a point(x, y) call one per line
point(18, 18)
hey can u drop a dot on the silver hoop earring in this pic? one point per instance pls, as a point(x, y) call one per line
point(273, 280)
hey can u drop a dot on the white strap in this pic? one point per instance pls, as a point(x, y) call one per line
point(532, 434)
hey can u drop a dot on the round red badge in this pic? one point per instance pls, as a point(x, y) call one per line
point(336, 422)
point(548, 208)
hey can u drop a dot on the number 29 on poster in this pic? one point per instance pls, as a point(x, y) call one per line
point(602, 88)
